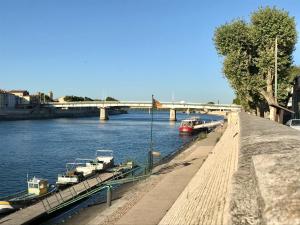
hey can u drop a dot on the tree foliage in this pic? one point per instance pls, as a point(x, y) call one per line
point(249, 55)
point(72, 98)
point(111, 99)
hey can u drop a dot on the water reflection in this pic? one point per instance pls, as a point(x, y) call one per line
point(172, 124)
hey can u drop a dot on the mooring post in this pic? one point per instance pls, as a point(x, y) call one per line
point(109, 196)
point(150, 161)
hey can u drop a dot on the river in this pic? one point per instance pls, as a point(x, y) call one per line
point(42, 147)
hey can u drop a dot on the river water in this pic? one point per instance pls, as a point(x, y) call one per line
point(42, 147)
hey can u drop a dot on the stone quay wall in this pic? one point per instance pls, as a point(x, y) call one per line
point(251, 177)
point(266, 185)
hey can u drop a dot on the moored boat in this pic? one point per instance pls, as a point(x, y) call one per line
point(195, 124)
point(105, 160)
point(70, 177)
point(37, 189)
point(190, 125)
point(84, 168)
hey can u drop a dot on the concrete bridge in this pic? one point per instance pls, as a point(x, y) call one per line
point(220, 109)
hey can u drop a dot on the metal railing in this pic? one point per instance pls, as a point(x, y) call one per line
point(72, 195)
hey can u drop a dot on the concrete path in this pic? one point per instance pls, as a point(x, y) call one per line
point(148, 201)
point(205, 200)
point(173, 179)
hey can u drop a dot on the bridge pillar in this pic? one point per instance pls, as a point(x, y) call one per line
point(188, 111)
point(173, 115)
point(103, 113)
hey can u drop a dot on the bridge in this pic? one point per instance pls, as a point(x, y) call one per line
point(172, 106)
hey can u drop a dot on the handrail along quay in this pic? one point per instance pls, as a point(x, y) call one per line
point(64, 198)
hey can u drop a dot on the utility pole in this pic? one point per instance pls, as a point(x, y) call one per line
point(275, 70)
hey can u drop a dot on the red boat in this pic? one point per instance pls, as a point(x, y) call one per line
point(191, 125)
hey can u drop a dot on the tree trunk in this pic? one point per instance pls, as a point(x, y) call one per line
point(257, 111)
point(273, 113)
point(269, 97)
point(260, 109)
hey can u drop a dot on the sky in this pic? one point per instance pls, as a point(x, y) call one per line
point(128, 49)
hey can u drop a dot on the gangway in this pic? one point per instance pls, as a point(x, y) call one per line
point(63, 198)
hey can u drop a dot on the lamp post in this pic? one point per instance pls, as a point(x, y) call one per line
point(275, 70)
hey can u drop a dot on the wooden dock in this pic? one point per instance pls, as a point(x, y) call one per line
point(28, 214)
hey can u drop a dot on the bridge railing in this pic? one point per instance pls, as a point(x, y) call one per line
point(140, 103)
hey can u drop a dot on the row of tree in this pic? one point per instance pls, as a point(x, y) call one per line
point(248, 49)
point(72, 98)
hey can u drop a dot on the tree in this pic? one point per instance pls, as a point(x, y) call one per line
point(111, 99)
point(294, 71)
point(236, 101)
point(73, 98)
point(267, 25)
point(233, 41)
point(88, 99)
point(248, 50)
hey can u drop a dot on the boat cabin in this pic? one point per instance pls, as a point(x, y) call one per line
point(37, 186)
point(191, 122)
point(105, 157)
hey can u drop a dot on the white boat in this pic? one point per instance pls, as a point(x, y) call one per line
point(84, 168)
point(7, 207)
point(70, 177)
point(105, 160)
point(89, 167)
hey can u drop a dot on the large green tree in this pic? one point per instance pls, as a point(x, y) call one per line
point(249, 56)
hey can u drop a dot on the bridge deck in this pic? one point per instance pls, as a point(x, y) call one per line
point(164, 105)
point(34, 211)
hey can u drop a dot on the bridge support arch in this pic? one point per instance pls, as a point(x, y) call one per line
point(173, 115)
point(103, 113)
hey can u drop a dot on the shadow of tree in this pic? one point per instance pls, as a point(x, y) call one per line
point(170, 168)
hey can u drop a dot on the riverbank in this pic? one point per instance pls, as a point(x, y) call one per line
point(146, 202)
point(52, 113)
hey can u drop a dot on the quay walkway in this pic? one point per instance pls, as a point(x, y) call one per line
point(33, 212)
point(252, 177)
point(203, 201)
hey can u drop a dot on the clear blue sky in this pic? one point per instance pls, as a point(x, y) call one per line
point(128, 49)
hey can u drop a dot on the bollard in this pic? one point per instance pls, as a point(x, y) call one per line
point(108, 196)
point(150, 161)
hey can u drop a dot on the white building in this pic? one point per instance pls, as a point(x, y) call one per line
point(23, 96)
point(61, 99)
point(7, 100)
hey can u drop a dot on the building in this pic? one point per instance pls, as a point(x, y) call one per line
point(23, 96)
point(19, 93)
point(50, 95)
point(35, 99)
point(296, 98)
point(7, 100)
point(61, 99)
point(22, 99)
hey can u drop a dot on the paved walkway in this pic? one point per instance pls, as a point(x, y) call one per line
point(155, 204)
point(157, 194)
point(205, 200)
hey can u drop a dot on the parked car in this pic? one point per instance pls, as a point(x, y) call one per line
point(294, 123)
